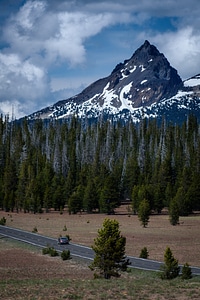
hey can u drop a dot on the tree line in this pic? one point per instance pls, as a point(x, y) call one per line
point(95, 166)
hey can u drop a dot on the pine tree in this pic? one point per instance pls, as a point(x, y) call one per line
point(171, 268)
point(135, 199)
point(144, 212)
point(75, 202)
point(109, 195)
point(90, 200)
point(186, 272)
point(144, 253)
point(109, 248)
point(182, 201)
point(174, 212)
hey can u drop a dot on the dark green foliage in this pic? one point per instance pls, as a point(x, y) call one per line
point(144, 212)
point(171, 268)
point(75, 202)
point(50, 250)
point(93, 167)
point(144, 253)
point(186, 272)
point(46, 250)
point(174, 212)
point(184, 205)
point(90, 200)
point(3, 221)
point(109, 248)
point(65, 255)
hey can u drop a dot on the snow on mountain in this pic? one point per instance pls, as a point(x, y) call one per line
point(193, 81)
point(143, 86)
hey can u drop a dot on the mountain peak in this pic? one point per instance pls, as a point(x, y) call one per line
point(150, 75)
point(146, 46)
point(147, 52)
point(145, 80)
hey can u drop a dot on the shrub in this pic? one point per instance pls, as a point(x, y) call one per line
point(186, 272)
point(35, 230)
point(50, 250)
point(45, 251)
point(65, 255)
point(144, 253)
point(53, 252)
point(65, 228)
point(3, 221)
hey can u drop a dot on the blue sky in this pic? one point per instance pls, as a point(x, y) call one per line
point(51, 50)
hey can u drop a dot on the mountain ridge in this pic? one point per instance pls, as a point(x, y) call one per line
point(146, 85)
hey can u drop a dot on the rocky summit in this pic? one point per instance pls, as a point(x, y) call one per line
point(146, 85)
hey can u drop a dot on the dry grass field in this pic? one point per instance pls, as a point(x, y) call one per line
point(183, 239)
point(27, 274)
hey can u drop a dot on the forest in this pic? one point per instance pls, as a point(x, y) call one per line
point(95, 167)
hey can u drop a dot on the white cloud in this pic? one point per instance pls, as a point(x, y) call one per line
point(20, 78)
point(182, 49)
point(39, 39)
point(13, 108)
point(29, 13)
point(44, 36)
point(22, 85)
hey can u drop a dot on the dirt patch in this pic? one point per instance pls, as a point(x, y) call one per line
point(22, 264)
point(183, 239)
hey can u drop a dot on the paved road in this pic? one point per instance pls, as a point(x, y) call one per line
point(76, 250)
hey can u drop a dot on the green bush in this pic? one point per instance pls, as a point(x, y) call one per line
point(186, 272)
point(50, 250)
point(45, 251)
point(144, 253)
point(53, 252)
point(65, 255)
point(3, 221)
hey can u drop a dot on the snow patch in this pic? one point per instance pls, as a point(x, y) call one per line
point(132, 69)
point(142, 68)
point(143, 81)
point(192, 81)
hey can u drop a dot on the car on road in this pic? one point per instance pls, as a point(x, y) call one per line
point(63, 240)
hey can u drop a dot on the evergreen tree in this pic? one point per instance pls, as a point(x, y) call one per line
point(163, 162)
point(144, 212)
point(75, 202)
point(58, 192)
point(135, 199)
point(10, 185)
point(90, 201)
point(174, 212)
point(144, 253)
point(109, 248)
point(186, 272)
point(22, 185)
point(184, 206)
point(109, 195)
point(171, 268)
point(158, 199)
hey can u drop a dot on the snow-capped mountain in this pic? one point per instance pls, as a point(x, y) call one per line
point(143, 86)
